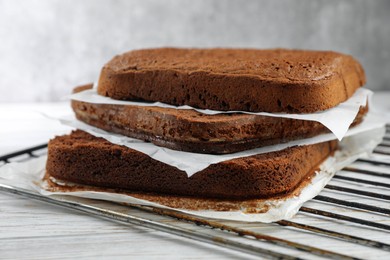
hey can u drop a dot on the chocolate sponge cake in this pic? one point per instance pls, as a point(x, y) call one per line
point(191, 131)
point(276, 80)
point(84, 159)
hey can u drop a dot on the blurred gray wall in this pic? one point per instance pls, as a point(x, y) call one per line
point(49, 46)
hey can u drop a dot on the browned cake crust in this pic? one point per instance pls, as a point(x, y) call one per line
point(84, 159)
point(276, 80)
point(191, 131)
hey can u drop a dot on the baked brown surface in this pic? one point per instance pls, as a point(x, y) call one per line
point(188, 130)
point(275, 80)
point(84, 159)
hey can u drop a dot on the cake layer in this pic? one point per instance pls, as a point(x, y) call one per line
point(84, 159)
point(275, 80)
point(191, 131)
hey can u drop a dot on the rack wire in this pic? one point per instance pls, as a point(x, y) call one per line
point(349, 219)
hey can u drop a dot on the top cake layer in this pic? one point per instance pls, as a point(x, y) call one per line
point(275, 80)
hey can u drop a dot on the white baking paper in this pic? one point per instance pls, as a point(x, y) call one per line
point(337, 119)
point(28, 175)
point(194, 162)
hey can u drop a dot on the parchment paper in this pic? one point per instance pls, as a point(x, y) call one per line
point(337, 119)
point(194, 162)
point(29, 175)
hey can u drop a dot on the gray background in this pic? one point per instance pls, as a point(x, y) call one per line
point(47, 47)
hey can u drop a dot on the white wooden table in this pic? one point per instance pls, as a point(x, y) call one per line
point(35, 230)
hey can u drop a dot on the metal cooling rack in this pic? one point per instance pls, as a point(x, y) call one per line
point(349, 219)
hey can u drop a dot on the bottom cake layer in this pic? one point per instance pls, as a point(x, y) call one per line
point(84, 159)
